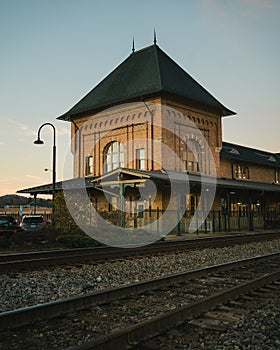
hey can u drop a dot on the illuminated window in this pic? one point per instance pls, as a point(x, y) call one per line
point(192, 156)
point(240, 171)
point(277, 176)
point(114, 157)
point(191, 204)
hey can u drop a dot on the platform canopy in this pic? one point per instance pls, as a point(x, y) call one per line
point(122, 175)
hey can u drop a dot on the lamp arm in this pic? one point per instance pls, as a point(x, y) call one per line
point(50, 124)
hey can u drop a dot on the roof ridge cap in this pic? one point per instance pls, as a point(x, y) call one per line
point(143, 49)
point(156, 47)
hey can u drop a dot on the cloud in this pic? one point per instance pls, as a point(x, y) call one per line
point(259, 9)
point(23, 129)
point(2, 143)
point(4, 180)
point(222, 14)
point(34, 178)
point(63, 130)
point(259, 4)
point(213, 12)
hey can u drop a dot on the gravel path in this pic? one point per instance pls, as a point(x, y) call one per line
point(27, 288)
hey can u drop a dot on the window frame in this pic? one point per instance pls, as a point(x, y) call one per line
point(240, 171)
point(140, 159)
point(192, 156)
point(89, 165)
point(277, 176)
point(113, 156)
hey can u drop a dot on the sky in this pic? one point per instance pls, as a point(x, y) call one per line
point(55, 51)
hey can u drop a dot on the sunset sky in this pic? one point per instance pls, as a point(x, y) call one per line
point(53, 52)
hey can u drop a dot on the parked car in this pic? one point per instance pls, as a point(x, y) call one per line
point(4, 224)
point(32, 223)
point(10, 219)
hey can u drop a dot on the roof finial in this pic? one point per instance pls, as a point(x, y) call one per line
point(155, 37)
point(133, 47)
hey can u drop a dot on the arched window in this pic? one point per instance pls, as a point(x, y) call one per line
point(113, 157)
point(193, 156)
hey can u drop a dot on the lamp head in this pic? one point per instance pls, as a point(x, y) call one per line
point(39, 142)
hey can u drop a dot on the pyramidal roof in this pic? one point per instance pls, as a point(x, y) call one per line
point(145, 72)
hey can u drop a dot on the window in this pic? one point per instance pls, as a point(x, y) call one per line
point(140, 159)
point(89, 165)
point(277, 176)
point(113, 204)
point(192, 156)
point(191, 204)
point(240, 171)
point(114, 157)
point(183, 204)
point(140, 209)
point(231, 150)
point(266, 156)
point(192, 162)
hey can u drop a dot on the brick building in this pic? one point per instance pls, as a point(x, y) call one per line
point(148, 139)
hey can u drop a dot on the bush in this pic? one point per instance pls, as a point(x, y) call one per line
point(4, 242)
point(77, 241)
point(23, 237)
point(64, 222)
point(115, 217)
point(6, 233)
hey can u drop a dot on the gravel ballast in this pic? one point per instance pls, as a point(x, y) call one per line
point(26, 288)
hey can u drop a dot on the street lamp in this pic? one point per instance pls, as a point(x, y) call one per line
point(40, 142)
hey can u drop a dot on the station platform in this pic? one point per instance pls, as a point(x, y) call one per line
point(194, 235)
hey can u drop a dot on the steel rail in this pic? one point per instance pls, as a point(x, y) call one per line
point(12, 262)
point(68, 252)
point(24, 316)
point(131, 336)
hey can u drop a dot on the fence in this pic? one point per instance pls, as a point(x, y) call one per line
point(214, 221)
point(15, 212)
point(178, 222)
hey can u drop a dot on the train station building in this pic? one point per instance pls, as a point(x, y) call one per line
point(148, 139)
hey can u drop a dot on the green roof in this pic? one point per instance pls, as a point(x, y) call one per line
point(249, 155)
point(145, 72)
point(161, 175)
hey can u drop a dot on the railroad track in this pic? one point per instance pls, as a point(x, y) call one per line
point(123, 317)
point(240, 323)
point(12, 262)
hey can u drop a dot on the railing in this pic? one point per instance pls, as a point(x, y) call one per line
point(181, 222)
point(215, 221)
point(15, 212)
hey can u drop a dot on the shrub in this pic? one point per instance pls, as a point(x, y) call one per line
point(83, 213)
point(64, 222)
point(23, 237)
point(4, 242)
point(77, 241)
point(115, 217)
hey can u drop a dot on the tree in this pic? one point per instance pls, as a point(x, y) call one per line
point(63, 219)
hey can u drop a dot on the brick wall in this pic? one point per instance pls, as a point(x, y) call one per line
point(257, 173)
point(170, 125)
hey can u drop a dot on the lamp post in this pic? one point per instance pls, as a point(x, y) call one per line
point(40, 142)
